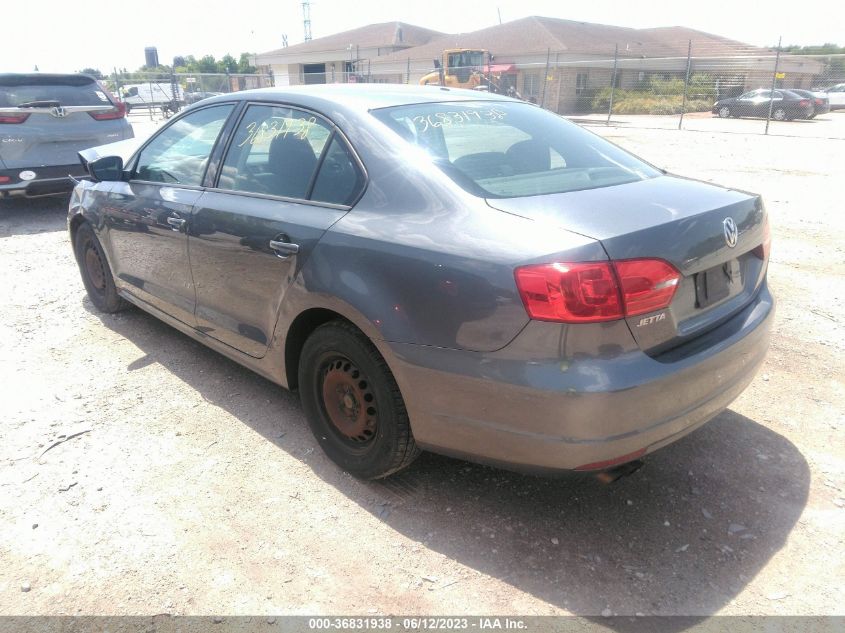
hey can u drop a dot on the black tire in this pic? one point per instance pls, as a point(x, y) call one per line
point(95, 271)
point(362, 425)
point(780, 114)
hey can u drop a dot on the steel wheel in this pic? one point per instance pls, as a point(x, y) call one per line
point(94, 266)
point(348, 401)
point(352, 402)
point(95, 271)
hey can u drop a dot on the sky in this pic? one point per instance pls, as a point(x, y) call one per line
point(66, 37)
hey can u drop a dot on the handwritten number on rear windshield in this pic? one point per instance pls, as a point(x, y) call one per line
point(457, 118)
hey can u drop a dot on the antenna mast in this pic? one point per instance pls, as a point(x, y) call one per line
point(306, 19)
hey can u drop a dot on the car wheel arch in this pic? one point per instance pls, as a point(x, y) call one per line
point(308, 320)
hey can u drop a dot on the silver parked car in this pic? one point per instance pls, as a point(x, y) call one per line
point(436, 269)
point(45, 120)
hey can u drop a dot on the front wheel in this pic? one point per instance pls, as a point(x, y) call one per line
point(724, 112)
point(353, 404)
point(95, 271)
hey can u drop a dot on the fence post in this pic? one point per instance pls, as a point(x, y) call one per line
point(686, 85)
point(546, 77)
point(774, 81)
point(408, 72)
point(612, 82)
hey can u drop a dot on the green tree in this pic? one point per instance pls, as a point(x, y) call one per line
point(94, 72)
point(245, 63)
point(227, 64)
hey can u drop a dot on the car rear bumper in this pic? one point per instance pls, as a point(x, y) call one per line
point(48, 181)
point(584, 412)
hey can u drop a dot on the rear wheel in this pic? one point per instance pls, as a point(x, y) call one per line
point(95, 271)
point(353, 404)
point(779, 114)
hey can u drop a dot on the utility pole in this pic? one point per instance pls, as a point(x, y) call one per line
point(774, 83)
point(306, 19)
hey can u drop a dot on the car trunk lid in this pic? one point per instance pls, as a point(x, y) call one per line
point(680, 221)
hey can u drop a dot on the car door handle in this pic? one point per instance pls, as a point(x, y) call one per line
point(176, 223)
point(284, 249)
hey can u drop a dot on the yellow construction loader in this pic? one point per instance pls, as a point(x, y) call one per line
point(462, 68)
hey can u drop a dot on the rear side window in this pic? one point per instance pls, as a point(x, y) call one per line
point(501, 149)
point(339, 181)
point(71, 91)
point(179, 154)
point(278, 151)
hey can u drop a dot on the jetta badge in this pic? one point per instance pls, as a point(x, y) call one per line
point(59, 112)
point(731, 232)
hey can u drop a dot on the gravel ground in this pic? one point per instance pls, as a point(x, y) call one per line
point(141, 473)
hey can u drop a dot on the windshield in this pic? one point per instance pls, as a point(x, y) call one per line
point(75, 91)
point(509, 150)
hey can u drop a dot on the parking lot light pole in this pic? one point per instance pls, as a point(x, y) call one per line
point(774, 81)
point(686, 85)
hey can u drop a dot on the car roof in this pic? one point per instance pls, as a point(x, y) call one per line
point(361, 96)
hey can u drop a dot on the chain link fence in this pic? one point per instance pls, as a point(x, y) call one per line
point(160, 95)
point(713, 87)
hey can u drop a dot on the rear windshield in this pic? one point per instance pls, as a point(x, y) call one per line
point(73, 91)
point(508, 149)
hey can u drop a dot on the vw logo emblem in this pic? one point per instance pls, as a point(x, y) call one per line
point(731, 232)
point(59, 112)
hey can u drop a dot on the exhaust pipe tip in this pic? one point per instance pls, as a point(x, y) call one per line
point(617, 472)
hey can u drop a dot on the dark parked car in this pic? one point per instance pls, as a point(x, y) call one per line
point(436, 269)
point(199, 95)
point(821, 103)
point(785, 105)
point(45, 120)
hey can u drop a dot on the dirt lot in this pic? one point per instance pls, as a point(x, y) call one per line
point(196, 488)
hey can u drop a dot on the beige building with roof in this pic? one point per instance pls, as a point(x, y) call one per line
point(338, 57)
point(558, 63)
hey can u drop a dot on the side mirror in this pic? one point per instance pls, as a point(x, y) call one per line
point(437, 63)
point(106, 168)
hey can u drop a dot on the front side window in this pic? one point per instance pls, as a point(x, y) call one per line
point(179, 154)
point(275, 151)
point(508, 150)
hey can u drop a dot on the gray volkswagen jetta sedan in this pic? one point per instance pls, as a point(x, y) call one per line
point(436, 269)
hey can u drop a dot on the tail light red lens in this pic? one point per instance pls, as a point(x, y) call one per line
point(804, 103)
point(571, 293)
point(118, 112)
point(13, 118)
point(647, 284)
point(589, 292)
point(765, 248)
point(819, 102)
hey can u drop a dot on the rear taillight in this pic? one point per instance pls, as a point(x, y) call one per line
point(804, 103)
point(118, 112)
point(762, 251)
point(647, 284)
point(819, 102)
point(589, 292)
point(13, 118)
point(4, 180)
